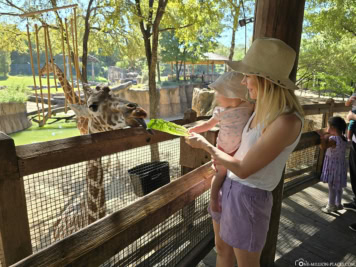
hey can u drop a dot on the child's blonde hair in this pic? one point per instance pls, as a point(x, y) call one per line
point(273, 100)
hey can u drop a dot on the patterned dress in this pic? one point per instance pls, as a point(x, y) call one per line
point(232, 121)
point(334, 167)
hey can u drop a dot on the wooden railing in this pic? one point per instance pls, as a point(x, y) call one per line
point(101, 240)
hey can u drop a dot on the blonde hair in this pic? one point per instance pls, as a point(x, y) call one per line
point(273, 101)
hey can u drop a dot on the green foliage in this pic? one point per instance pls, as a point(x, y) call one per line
point(12, 38)
point(5, 61)
point(13, 93)
point(327, 60)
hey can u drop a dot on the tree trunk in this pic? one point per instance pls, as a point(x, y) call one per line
point(158, 72)
point(177, 71)
point(151, 55)
point(283, 20)
point(83, 75)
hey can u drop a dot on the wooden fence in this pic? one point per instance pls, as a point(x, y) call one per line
point(96, 243)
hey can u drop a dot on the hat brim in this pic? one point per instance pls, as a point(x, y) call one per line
point(240, 67)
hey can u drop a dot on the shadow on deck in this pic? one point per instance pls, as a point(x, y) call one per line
point(307, 234)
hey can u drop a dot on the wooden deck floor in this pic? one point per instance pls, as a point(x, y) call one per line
point(306, 233)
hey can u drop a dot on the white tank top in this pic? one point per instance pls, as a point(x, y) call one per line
point(269, 176)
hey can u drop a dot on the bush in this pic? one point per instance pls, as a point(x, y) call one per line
point(14, 93)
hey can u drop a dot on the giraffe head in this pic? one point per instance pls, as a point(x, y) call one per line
point(47, 67)
point(108, 112)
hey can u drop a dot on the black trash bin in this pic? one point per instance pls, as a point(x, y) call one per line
point(147, 177)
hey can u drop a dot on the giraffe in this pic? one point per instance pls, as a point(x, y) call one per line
point(103, 112)
point(70, 95)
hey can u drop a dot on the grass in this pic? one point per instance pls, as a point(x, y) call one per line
point(25, 81)
point(49, 132)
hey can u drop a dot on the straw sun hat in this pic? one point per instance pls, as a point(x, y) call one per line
point(269, 58)
point(229, 85)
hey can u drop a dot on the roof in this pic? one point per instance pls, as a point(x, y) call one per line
point(208, 58)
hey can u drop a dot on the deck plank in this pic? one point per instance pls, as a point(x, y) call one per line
point(306, 233)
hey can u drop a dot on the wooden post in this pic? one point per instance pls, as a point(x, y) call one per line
point(64, 68)
point(280, 19)
point(192, 158)
point(69, 60)
point(33, 70)
point(39, 70)
point(48, 83)
point(283, 20)
point(15, 236)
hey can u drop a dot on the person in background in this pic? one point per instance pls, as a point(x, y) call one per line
point(334, 168)
point(352, 124)
point(270, 135)
point(352, 164)
point(232, 113)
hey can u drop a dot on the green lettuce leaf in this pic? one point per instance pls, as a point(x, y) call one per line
point(167, 127)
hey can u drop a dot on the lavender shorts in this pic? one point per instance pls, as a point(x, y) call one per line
point(245, 215)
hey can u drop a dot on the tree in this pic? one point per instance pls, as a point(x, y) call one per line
point(327, 57)
point(174, 50)
point(4, 63)
point(90, 19)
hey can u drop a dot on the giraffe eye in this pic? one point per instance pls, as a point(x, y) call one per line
point(94, 107)
point(131, 105)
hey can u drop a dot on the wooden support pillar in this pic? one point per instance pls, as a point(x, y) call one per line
point(280, 19)
point(15, 239)
point(283, 20)
point(192, 158)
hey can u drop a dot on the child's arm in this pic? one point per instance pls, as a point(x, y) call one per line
point(205, 126)
point(325, 142)
point(349, 101)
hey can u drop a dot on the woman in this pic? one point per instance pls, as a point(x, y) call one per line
point(270, 135)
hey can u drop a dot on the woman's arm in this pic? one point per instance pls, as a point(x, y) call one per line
point(349, 101)
point(351, 116)
point(205, 126)
point(281, 133)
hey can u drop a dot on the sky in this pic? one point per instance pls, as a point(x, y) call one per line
point(225, 39)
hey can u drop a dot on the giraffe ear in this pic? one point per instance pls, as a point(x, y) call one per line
point(80, 110)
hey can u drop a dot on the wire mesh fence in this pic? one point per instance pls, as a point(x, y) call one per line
point(169, 242)
point(59, 200)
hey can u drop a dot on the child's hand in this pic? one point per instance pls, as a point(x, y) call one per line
point(192, 130)
point(320, 132)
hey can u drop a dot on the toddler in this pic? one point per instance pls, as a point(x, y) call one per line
point(232, 113)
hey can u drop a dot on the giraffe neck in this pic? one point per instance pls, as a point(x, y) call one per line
point(70, 95)
point(96, 191)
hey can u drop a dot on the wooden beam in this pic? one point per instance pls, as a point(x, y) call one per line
point(99, 241)
point(39, 157)
point(30, 14)
point(283, 20)
point(15, 239)
point(280, 19)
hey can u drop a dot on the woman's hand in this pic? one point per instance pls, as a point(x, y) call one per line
point(197, 141)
